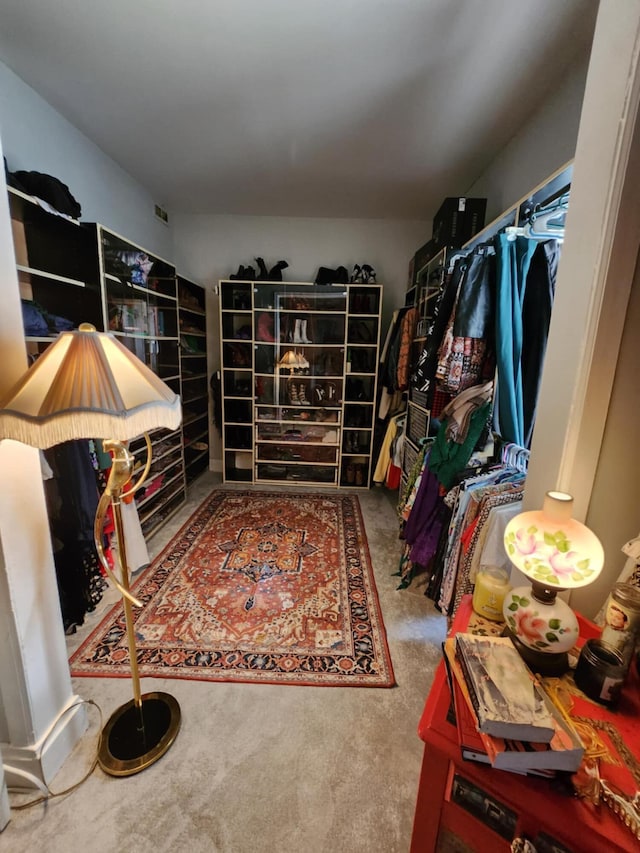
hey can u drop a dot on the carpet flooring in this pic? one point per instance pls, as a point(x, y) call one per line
point(256, 587)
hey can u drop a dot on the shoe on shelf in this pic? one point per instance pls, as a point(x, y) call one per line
point(275, 273)
point(342, 276)
point(240, 275)
point(356, 275)
point(350, 474)
point(368, 274)
point(359, 475)
point(263, 272)
point(302, 397)
point(293, 394)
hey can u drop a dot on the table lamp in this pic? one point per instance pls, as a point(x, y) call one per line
point(88, 385)
point(293, 360)
point(556, 553)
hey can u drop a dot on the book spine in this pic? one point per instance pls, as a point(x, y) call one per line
point(464, 671)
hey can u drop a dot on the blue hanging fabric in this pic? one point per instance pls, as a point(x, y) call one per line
point(513, 258)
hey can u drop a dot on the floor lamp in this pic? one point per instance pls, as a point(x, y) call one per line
point(89, 385)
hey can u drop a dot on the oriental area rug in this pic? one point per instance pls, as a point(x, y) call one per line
point(257, 587)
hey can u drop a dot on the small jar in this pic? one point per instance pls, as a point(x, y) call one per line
point(492, 585)
point(600, 672)
point(622, 620)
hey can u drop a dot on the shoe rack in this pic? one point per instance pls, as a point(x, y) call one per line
point(194, 382)
point(71, 272)
point(140, 303)
point(299, 381)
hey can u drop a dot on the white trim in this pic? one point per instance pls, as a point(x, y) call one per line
point(26, 766)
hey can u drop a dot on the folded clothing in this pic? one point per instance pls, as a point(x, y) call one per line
point(38, 321)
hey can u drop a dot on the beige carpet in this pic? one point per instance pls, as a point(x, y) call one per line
point(260, 768)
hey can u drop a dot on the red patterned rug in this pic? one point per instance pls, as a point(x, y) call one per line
point(257, 586)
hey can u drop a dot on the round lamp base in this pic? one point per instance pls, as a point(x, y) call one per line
point(136, 737)
point(551, 664)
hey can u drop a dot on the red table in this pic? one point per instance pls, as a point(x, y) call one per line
point(486, 808)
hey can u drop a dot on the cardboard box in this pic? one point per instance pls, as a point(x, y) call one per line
point(458, 220)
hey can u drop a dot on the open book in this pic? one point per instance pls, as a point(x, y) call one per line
point(506, 697)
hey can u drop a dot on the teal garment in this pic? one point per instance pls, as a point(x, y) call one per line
point(513, 259)
point(447, 459)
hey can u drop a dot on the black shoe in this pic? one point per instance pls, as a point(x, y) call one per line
point(342, 276)
point(368, 274)
point(275, 273)
point(326, 276)
point(264, 272)
point(239, 275)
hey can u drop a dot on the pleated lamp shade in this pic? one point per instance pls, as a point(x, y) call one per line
point(87, 385)
point(293, 360)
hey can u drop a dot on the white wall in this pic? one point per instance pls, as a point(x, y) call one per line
point(618, 472)
point(543, 145)
point(209, 248)
point(37, 138)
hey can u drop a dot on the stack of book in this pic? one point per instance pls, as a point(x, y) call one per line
point(503, 714)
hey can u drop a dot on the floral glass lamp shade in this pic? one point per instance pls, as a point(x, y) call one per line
point(556, 553)
point(88, 385)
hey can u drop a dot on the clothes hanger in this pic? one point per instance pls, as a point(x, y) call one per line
point(545, 223)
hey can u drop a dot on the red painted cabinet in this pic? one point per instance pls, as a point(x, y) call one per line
point(485, 808)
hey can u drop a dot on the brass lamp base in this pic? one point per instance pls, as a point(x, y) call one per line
point(136, 736)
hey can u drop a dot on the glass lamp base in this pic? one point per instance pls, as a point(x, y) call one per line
point(551, 664)
point(136, 737)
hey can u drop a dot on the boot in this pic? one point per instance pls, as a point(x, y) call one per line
point(265, 328)
point(297, 337)
point(293, 394)
point(303, 332)
point(302, 396)
point(241, 274)
point(342, 276)
point(264, 272)
point(275, 273)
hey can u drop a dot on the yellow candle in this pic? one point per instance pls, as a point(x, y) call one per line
point(492, 584)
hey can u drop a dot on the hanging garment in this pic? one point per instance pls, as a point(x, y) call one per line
point(458, 412)
point(487, 499)
point(72, 500)
point(489, 547)
point(384, 457)
point(394, 471)
point(472, 496)
point(407, 334)
point(536, 317)
point(414, 476)
point(389, 371)
point(466, 355)
point(447, 458)
point(422, 531)
point(425, 373)
point(135, 544)
point(513, 262)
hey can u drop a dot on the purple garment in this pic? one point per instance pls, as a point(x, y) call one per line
point(422, 530)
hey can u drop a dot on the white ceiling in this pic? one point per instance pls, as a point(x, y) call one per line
point(360, 108)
